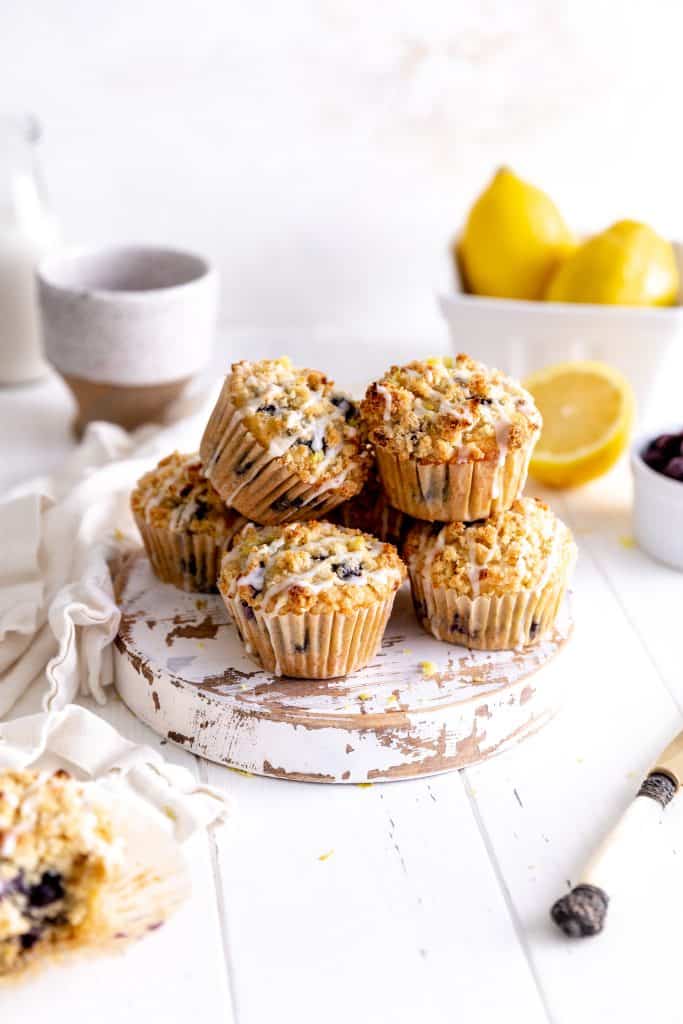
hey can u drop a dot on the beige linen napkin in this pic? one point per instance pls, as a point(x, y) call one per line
point(60, 536)
point(92, 750)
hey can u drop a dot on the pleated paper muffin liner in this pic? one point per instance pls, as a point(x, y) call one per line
point(150, 882)
point(312, 646)
point(488, 622)
point(451, 492)
point(144, 883)
point(257, 483)
point(190, 561)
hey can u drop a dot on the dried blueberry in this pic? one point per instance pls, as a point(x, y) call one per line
point(301, 648)
point(533, 629)
point(48, 890)
point(345, 571)
point(459, 625)
point(248, 610)
point(201, 510)
point(29, 939)
point(268, 409)
point(674, 468)
point(282, 504)
point(10, 885)
point(662, 451)
point(480, 399)
point(189, 565)
point(346, 408)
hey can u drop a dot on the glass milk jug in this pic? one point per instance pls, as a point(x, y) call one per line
point(27, 232)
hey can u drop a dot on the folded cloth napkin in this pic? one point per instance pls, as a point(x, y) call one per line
point(88, 748)
point(59, 535)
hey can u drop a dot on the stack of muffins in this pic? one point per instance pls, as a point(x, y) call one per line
point(298, 500)
point(453, 439)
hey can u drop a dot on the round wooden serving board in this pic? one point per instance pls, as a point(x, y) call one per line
point(181, 668)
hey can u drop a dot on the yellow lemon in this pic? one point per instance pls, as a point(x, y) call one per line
point(587, 410)
point(629, 264)
point(513, 240)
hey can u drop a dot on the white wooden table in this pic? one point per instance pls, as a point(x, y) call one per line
point(423, 900)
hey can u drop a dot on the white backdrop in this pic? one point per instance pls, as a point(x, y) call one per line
point(323, 151)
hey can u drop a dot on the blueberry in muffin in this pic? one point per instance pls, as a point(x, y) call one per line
point(184, 524)
point(282, 444)
point(310, 599)
point(452, 437)
point(494, 584)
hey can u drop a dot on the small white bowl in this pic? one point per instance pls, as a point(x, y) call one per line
point(520, 337)
point(657, 506)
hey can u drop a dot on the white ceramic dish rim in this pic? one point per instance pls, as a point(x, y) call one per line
point(206, 272)
point(537, 307)
point(578, 310)
point(664, 485)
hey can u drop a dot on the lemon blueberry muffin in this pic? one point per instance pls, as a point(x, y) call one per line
point(184, 525)
point(57, 854)
point(452, 437)
point(310, 599)
point(371, 512)
point(282, 445)
point(494, 584)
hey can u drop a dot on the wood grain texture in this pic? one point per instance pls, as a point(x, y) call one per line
point(182, 669)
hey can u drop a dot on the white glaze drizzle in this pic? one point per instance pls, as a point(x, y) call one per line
point(319, 576)
point(297, 426)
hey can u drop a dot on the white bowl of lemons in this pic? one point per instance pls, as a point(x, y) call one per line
point(529, 294)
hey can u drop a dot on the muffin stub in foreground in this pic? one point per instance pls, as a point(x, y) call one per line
point(282, 444)
point(495, 584)
point(184, 524)
point(57, 855)
point(452, 437)
point(310, 599)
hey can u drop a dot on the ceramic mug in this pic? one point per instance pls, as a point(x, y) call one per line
point(127, 327)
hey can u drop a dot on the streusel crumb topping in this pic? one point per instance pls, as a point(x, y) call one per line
point(522, 548)
point(449, 410)
point(299, 416)
point(177, 496)
point(309, 567)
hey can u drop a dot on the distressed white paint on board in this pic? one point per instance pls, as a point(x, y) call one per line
point(182, 669)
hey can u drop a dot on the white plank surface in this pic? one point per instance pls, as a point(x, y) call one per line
point(385, 927)
point(433, 902)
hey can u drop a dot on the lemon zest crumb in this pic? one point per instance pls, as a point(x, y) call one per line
point(429, 668)
point(326, 856)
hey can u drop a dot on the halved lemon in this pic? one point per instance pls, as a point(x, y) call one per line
point(587, 410)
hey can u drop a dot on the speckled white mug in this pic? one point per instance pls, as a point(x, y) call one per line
point(127, 327)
